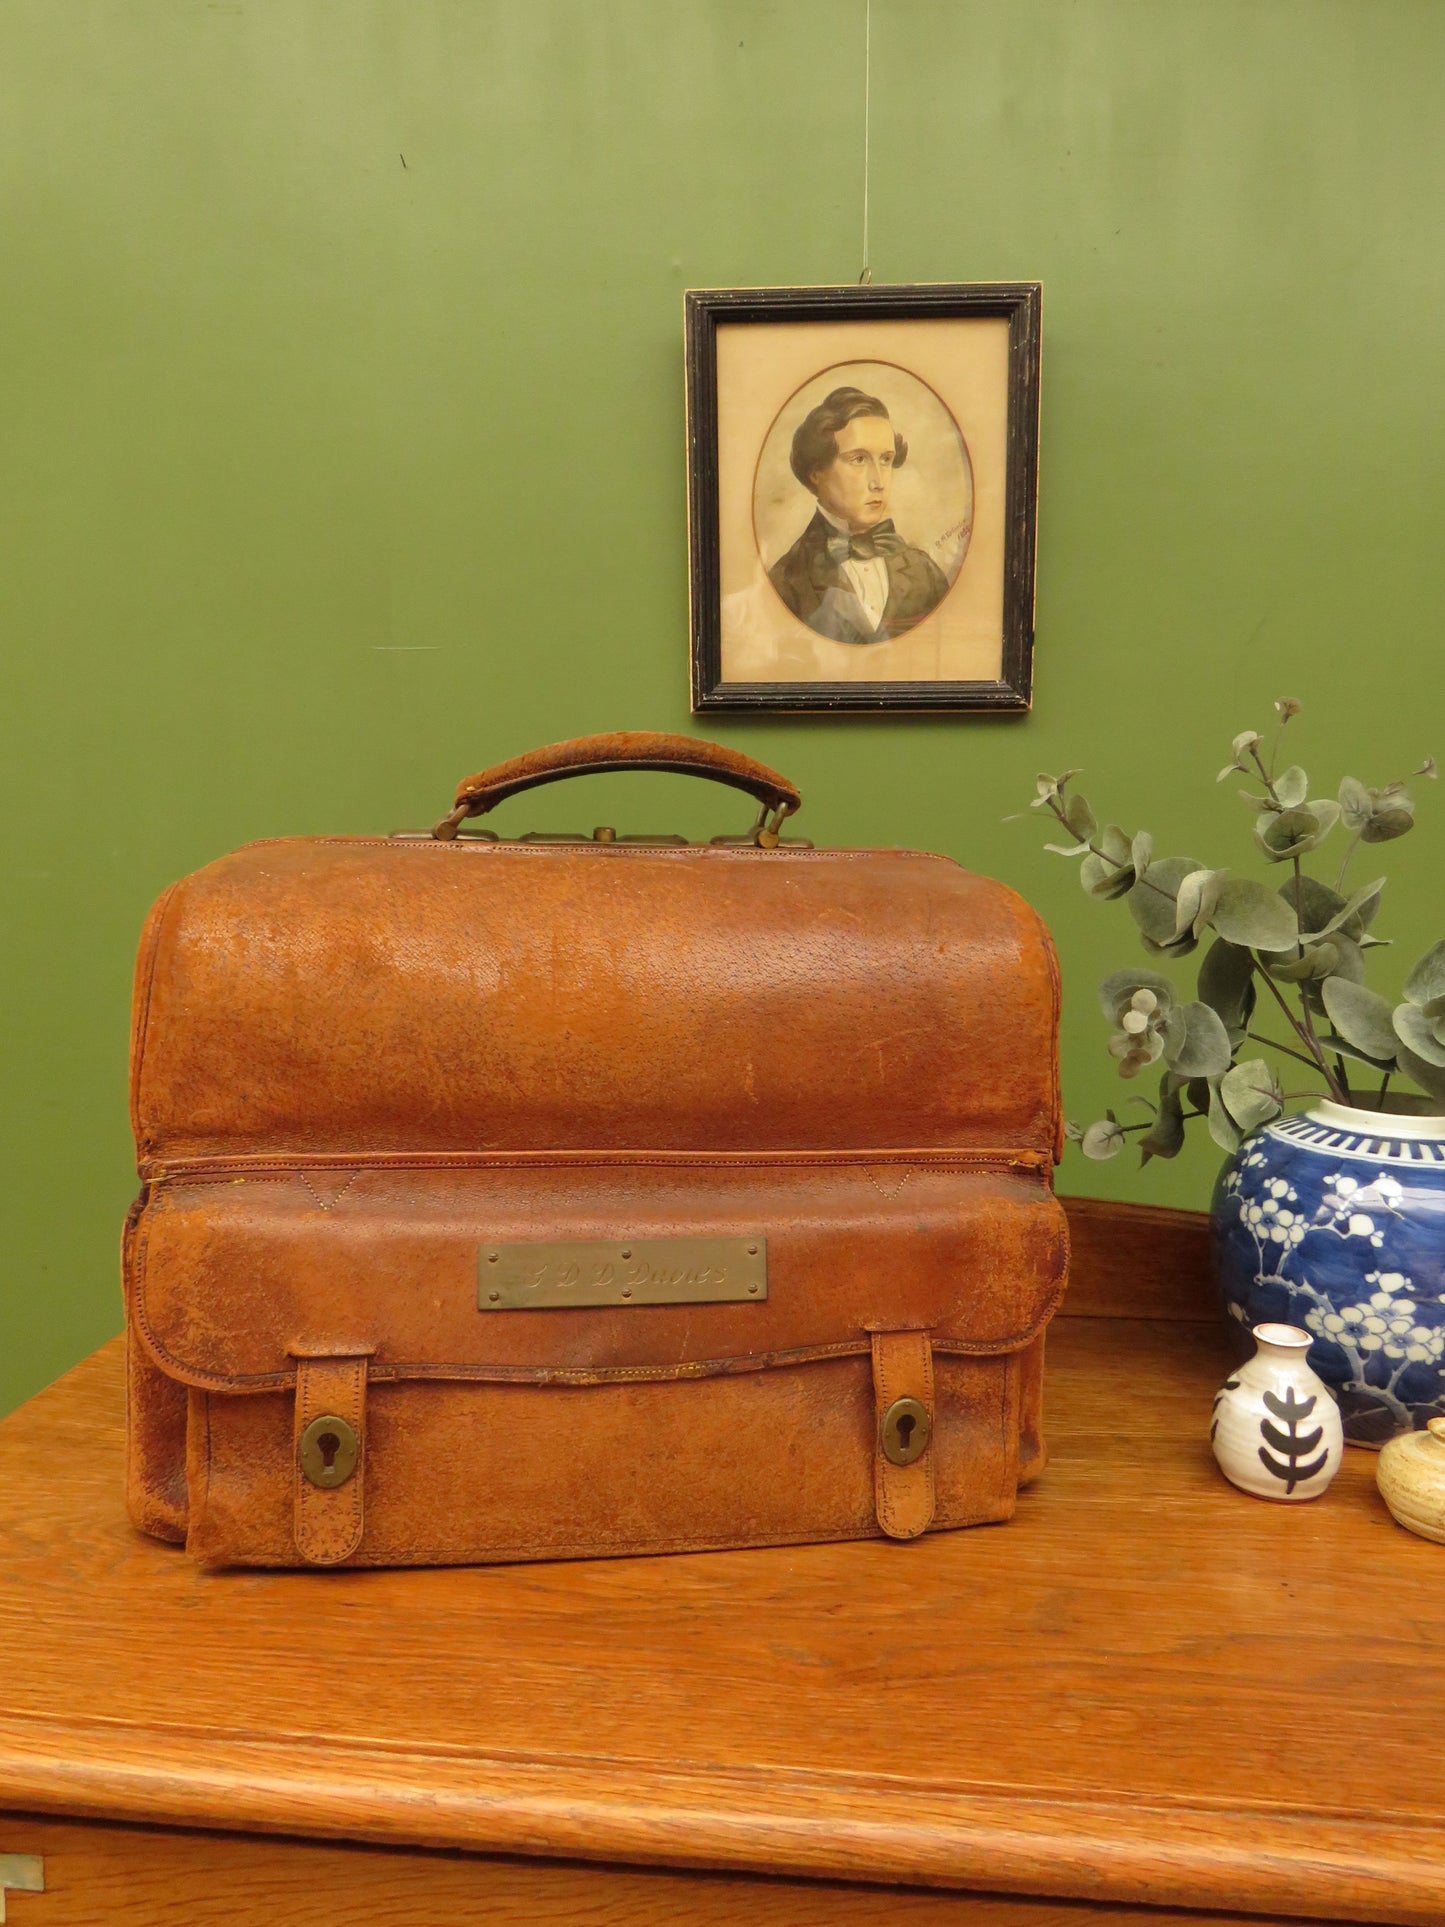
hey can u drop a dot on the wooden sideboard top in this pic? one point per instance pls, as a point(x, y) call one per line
point(1145, 1688)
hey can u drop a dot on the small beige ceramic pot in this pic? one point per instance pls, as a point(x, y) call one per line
point(1277, 1430)
point(1411, 1478)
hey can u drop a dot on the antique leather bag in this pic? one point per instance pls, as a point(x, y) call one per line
point(546, 1198)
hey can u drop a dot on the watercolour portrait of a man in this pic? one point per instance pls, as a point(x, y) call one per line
point(851, 575)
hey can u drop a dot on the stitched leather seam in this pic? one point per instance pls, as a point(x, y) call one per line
point(329, 1523)
point(328, 1204)
point(219, 1169)
point(407, 1371)
point(887, 1191)
point(882, 1495)
point(888, 1477)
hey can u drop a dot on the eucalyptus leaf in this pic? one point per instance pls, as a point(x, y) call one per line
point(1140, 852)
point(1349, 964)
point(1326, 812)
point(1102, 1140)
point(1349, 958)
point(1103, 879)
point(1165, 1137)
point(1427, 980)
point(1292, 788)
point(1428, 1076)
point(1250, 1094)
point(1312, 901)
point(1194, 906)
point(1385, 825)
point(1152, 904)
point(1356, 803)
point(1080, 819)
point(1317, 960)
point(1334, 1043)
point(1362, 1017)
point(1222, 1127)
point(1417, 1033)
point(1292, 833)
point(1066, 849)
point(1251, 914)
point(1226, 982)
point(1204, 1049)
point(1115, 844)
point(1354, 916)
point(1176, 947)
point(1111, 873)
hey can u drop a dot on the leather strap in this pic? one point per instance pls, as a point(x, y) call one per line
point(903, 1495)
point(629, 749)
point(329, 1521)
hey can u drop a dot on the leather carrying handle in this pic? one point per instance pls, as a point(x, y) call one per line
point(629, 749)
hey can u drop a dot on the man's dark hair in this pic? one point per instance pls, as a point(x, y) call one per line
point(815, 445)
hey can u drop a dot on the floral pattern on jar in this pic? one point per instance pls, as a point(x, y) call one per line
point(1335, 1221)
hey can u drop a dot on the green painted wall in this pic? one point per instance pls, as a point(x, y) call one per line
point(328, 477)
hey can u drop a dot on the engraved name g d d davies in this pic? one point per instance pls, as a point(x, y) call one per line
point(660, 1271)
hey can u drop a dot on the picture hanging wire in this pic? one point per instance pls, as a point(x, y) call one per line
point(867, 275)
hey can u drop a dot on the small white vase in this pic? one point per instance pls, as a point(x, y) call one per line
point(1277, 1430)
point(1411, 1478)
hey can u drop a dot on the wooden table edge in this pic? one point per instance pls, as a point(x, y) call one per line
point(760, 1821)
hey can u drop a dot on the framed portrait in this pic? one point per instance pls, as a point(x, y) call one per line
point(862, 493)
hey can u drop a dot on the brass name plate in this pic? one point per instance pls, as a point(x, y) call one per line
point(636, 1271)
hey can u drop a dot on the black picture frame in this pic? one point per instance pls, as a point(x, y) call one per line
point(1020, 304)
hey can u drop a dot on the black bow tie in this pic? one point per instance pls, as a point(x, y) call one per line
point(881, 539)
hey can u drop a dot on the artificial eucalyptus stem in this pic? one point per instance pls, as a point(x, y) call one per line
point(1169, 896)
point(1305, 934)
point(1317, 1047)
point(1350, 848)
point(1307, 1038)
point(1274, 1044)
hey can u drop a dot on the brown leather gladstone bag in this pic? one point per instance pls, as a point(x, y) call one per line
point(554, 1198)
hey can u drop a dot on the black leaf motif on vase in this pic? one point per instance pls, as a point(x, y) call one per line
point(1229, 1385)
point(1285, 1445)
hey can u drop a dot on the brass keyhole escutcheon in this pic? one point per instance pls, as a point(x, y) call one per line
point(329, 1451)
point(907, 1429)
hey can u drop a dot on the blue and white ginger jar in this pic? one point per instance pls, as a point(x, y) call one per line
point(1334, 1220)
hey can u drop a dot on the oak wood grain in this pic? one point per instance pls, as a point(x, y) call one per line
point(1147, 1689)
point(1138, 1261)
point(112, 1876)
point(149, 1877)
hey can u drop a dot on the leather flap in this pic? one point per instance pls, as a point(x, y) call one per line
point(235, 1273)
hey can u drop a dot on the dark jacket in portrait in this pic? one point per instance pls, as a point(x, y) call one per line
point(810, 580)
